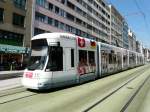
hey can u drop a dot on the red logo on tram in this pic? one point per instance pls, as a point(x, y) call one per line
point(28, 75)
point(81, 42)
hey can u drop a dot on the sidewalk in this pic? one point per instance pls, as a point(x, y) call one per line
point(10, 74)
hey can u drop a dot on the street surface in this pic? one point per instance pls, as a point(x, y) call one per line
point(128, 91)
point(10, 83)
point(10, 74)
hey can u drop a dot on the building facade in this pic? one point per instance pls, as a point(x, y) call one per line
point(138, 47)
point(86, 18)
point(125, 35)
point(132, 40)
point(13, 32)
point(116, 36)
point(20, 20)
point(146, 53)
point(148, 57)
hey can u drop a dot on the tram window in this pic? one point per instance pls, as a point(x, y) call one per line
point(113, 59)
point(110, 58)
point(124, 58)
point(72, 57)
point(119, 57)
point(55, 62)
point(38, 43)
point(82, 57)
point(91, 57)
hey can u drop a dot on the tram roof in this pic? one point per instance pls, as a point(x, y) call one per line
point(58, 35)
point(53, 35)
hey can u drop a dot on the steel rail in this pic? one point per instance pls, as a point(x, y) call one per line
point(107, 96)
point(133, 96)
point(15, 99)
point(89, 108)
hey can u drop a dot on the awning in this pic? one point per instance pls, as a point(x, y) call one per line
point(13, 49)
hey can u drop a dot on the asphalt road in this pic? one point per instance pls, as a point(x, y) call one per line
point(115, 93)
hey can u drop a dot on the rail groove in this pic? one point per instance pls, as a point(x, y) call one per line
point(107, 96)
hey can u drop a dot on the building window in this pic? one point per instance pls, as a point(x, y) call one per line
point(1, 14)
point(57, 10)
point(70, 17)
point(40, 17)
point(18, 19)
point(80, 1)
point(62, 13)
point(56, 23)
point(62, 1)
point(41, 2)
point(20, 3)
point(68, 28)
point(50, 6)
point(78, 21)
point(70, 5)
point(11, 38)
point(62, 26)
point(89, 9)
point(38, 31)
point(50, 21)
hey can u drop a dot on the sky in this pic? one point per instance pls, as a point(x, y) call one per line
point(137, 15)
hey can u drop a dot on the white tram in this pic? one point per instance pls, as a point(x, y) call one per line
point(60, 59)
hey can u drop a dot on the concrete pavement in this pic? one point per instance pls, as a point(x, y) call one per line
point(10, 83)
point(78, 98)
point(74, 99)
point(10, 74)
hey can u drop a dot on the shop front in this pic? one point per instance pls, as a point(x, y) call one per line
point(12, 57)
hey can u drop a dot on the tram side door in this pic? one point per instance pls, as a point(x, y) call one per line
point(67, 75)
point(104, 62)
point(69, 65)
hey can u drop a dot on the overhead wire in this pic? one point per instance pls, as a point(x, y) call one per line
point(140, 12)
point(144, 17)
point(143, 14)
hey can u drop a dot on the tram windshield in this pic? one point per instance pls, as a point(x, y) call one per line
point(38, 55)
point(38, 58)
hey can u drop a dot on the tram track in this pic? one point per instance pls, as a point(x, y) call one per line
point(139, 72)
point(26, 94)
point(7, 95)
point(6, 98)
point(134, 95)
point(12, 91)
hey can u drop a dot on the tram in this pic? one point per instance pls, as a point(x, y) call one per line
point(61, 59)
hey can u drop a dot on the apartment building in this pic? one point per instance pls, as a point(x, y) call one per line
point(146, 53)
point(132, 40)
point(138, 47)
point(86, 18)
point(116, 31)
point(14, 34)
point(125, 35)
